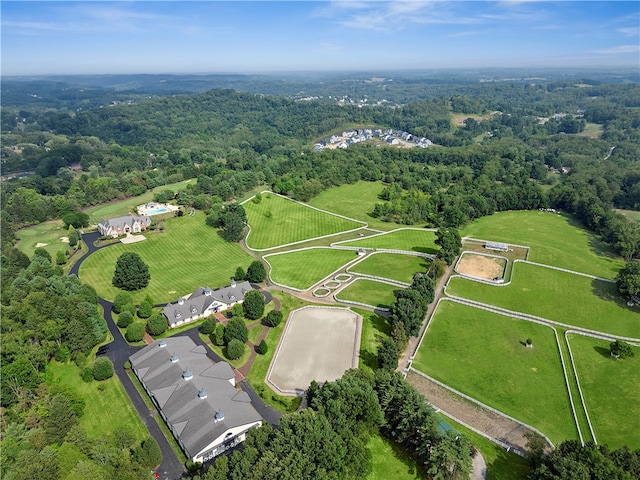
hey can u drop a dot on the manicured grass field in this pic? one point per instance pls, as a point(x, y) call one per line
point(482, 354)
point(610, 388)
point(303, 268)
point(501, 465)
point(124, 207)
point(554, 240)
point(355, 200)
point(370, 292)
point(107, 406)
point(279, 221)
point(392, 265)
point(410, 239)
point(374, 329)
point(556, 295)
point(188, 254)
point(389, 461)
point(46, 232)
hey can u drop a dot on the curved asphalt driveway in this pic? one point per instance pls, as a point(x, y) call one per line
point(119, 352)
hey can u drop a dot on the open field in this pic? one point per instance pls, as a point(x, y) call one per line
point(188, 254)
point(501, 465)
point(370, 292)
point(556, 295)
point(278, 221)
point(410, 239)
point(610, 388)
point(318, 344)
point(123, 207)
point(389, 461)
point(632, 215)
point(355, 200)
point(554, 240)
point(483, 355)
point(49, 233)
point(303, 268)
point(591, 130)
point(392, 265)
point(107, 408)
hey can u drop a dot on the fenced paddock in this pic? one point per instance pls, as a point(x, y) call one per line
point(318, 343)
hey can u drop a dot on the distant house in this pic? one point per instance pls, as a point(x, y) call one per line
point(197, 398)
point(204, 302)
point(114, 227)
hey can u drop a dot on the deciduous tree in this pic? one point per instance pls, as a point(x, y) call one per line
point(131, 272)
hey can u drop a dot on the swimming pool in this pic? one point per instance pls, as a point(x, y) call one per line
point(156, 211)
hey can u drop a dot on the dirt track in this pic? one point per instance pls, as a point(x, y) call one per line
point(481, 266)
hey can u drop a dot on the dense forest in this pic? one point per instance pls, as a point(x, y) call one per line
point(567, 144)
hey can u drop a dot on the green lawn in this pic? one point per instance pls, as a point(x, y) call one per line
point(410, 239)
point(258, 373)
point(390, 462)
point(278, 221)
point(303, 268)
point(188, 254)
point(124, 207)
point(610, 388)
point(370, 292)
point(501, 465)
point(374, 329)
point(392, 265)
point(49, 233)
point(632, 215)
point(556, 295)
point(483, 355)
point(107, 406)
point(554, 240)
point(355, 200)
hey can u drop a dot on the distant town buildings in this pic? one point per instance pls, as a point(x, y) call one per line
point(389, 136)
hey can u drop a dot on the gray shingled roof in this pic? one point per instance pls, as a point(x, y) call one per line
point(198, 301)
point(120, 222)
point(192, 416)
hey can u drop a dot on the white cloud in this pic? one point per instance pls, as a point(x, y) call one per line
point(619, 50)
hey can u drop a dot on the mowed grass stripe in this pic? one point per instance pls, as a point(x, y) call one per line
point(482, 354)
point(554, 240)
point(370, 292)
point(610, 389)
point(392, 265)
point(556, 295)
point(188, 254)
point(413, 240)
point(303, 268)
point(356, 200)
point(279, 221)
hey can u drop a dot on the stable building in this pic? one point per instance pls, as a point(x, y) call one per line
point(198, 399)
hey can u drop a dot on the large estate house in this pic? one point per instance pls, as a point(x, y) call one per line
point(115, 227)
point(204, 302)
point(198, 399)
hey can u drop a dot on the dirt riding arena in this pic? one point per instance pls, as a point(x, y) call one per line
point(481, 266)
point(318, 343)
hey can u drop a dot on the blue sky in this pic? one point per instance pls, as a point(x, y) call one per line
point(92, 37)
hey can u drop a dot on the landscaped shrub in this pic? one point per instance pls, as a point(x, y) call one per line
point(102, 368)
point(157, 324)
point(253, 305)
point(262, 347)
point(218, 337)
point(208, 326)
point(273, 318)
point(135, 332)
point(236, 311)
point(240, 274)
point(235, 349)
point(148, 453)
point(61, 257)
point(125, 319)
point(146, 307)
point(236, 329)
point(87, 374)
point(120, 301)
point(256, 272)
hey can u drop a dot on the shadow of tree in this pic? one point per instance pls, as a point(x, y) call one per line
point(605, 352)
point(423, 249)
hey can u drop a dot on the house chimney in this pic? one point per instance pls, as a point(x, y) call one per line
point(233, 283)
